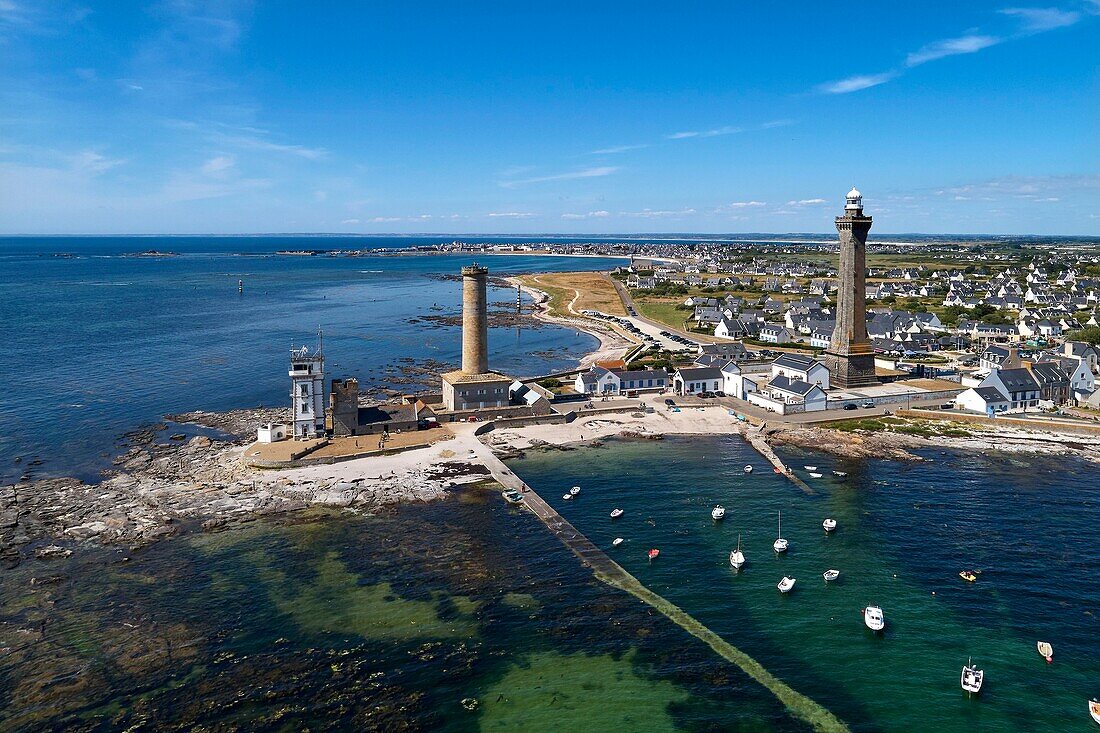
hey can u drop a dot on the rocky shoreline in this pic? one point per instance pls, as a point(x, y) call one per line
point(163, 485)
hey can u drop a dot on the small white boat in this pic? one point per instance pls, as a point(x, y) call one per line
point(1046, 651)
point(972, 678)
point(786, 584)
point(810, 468)
point(748, 469)
point(1094, 710)
point(829, 524)
point(567, 497)
point(575, 490)
point(815, 475)
point(717, 512)
point(872, 616)
point(780, 544)
point(830, 575)
point(616, 542)
point(840, 474)
point(737, 558)
point(616, 513)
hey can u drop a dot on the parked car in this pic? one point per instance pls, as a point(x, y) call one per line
point(867, 404)
point(850, 406)
point(669, 401)
point(947, 406)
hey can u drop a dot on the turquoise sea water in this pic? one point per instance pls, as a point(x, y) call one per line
point(99, 343)
point(905, 531)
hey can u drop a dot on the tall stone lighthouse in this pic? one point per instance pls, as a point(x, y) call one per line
point(474, 387)
point(850, 358)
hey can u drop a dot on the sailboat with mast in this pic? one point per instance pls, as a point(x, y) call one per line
point(737, 558)
point(780, 544)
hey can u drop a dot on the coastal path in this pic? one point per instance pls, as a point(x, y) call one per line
point(610, 572)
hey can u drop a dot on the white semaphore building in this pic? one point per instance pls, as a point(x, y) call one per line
point(307, 391)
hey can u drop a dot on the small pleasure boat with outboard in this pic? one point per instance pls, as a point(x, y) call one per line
point(616, 542)
point(830, 575)
point(575, 490)
point(748, 469)
point(616, 513)
point(786, 584)
point(839, 474)
point(970, 575)
point(1094, 710)
point(717, 512)
point(780, 544)
point(1046, 651)
point(810, 468)
point(737, 558)
point(873, 618)
point(815, 475)
point(654, 553)
point(567, 497)
point(829, 524)
point(972, 678)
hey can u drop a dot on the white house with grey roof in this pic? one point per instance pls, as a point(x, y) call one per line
point(800, 367)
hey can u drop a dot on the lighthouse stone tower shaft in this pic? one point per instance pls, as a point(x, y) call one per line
point(475, 320)
point(850, 358)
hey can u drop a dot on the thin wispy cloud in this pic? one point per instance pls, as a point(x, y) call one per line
point(726, 130)
point(745, 204)
point(590, 215)
point(597, 172)
point(682, 135)
point(510, 215)
point(1037, 20)
point(258, 143)
point(806, 202)
point(218, 165)
point(89, 161)
point(618, 149)
point(856, 83)
point(776, 123)
point(349, 221)
point(657, 213)
point(950, 47)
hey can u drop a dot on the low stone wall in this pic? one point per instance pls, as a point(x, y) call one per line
point(556, 418)
point(1043, 426)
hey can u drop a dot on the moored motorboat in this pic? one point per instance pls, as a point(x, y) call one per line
point(786, 584)
point(654, 553)
point(1046, 651)
point(815, 475)
point(567, 497)
point(810, 468)
point(839, 474)
point(1094, 710)
point(873, 618)
point(829, 524)
point(748, 469)
point(616, 542)
point(717, 512)
point(575, 490)
point(969, 575)
point(780, 544)
point(737, 558)
point(616, 513)
point(972, 678)
point(830, 575)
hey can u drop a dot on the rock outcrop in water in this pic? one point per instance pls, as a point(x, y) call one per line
point(161, 487)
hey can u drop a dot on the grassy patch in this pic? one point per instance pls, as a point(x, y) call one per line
point(902, 426)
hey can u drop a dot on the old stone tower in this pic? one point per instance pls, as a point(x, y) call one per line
point(850, 358)
point(475, 320)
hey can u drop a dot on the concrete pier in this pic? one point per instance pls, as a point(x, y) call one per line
point(610, 572)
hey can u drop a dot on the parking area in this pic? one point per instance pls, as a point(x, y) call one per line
point(651, 334)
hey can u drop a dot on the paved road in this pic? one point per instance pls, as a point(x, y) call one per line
point(656, 326)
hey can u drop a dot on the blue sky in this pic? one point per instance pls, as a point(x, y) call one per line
point(233, 117)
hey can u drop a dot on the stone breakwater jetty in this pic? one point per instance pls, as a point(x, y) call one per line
point(162, 486)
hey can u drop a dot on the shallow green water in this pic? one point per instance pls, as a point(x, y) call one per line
point(905, 530)
point(336, 622)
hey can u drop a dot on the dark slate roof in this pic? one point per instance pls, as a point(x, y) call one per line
point(991, 394)
point(795, 361)
point(643, 374)
point(386, 413)
point(1017, 380)
point(1048, 372)
point(795, 386)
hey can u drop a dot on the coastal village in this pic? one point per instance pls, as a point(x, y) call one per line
point(801, 352)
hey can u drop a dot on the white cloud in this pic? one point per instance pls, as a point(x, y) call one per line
point(590, 215)
point(806, 202)
point(725, 130)
point(776, 123)
point(856, 83)
point(258, 143)
point(745, 204)
point(1037, 20)
point(950, 47)
point(218, 164)
point(89, 161)
point(617, 149)
point(350, 221)
point(510, 215)
point(682, 135)
point(606, 170)
point(657, 213)
point(381, 219)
